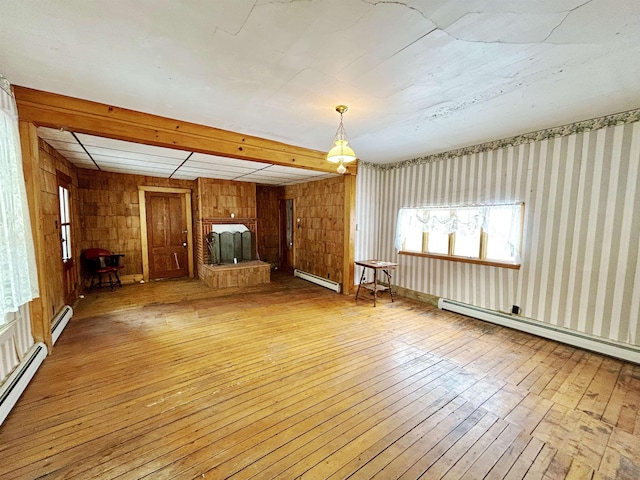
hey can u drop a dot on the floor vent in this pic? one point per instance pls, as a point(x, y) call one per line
point(323, 282)
point(560, 334)
point(60, 321)
point(16, 383)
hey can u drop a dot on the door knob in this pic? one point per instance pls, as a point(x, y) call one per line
point(184, 244)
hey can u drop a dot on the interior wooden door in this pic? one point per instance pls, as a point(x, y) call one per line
point(286, 235)
point(167, 235)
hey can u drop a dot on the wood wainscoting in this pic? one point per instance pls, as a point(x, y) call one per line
point(176, 380)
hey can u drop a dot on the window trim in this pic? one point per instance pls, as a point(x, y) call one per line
point(453, 258)
point(482, 247)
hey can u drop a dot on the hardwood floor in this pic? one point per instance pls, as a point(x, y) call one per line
point(287, 380)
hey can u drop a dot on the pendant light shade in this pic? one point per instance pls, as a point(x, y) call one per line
point(341, 152)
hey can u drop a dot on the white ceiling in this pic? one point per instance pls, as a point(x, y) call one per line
point(419, 76)
point(106, 154)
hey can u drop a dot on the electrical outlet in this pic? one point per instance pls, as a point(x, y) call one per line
point(515, 309)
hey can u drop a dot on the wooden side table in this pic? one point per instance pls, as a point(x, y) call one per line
point(375, 265)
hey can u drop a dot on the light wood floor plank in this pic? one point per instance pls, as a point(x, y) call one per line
point(289, 380)
point(541, 464)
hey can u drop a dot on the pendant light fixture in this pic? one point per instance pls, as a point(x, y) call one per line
point(341, 152)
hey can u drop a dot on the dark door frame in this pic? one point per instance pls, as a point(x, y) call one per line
point(287, 252)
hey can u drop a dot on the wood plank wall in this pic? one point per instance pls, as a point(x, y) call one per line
point(110, 213)
point(268, 205)
point(221, 198)
point(51, 162)
point(319, 240)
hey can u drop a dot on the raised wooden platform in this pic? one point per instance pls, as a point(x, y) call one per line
point(245, 274)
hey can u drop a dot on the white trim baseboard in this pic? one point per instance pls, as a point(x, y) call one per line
point(18, 380)
point(323, 282)
point(605, 346)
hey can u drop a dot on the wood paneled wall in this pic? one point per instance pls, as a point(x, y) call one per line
point(221, 198)
point(50, 163)
point(581, 259)
point(110, 212)
point(268, 205)
point(319, 240)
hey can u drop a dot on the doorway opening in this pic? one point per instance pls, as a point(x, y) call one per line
point(287, 236)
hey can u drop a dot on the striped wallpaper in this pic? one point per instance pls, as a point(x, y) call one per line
point(581, 252)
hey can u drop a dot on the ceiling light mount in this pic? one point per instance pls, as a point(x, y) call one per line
point(341, 152)
point(341, 109)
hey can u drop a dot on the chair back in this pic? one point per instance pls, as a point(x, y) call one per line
point(94, 253)
point(97, 259)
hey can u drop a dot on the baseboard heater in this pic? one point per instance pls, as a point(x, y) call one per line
point(16, 383)
point(560, 334)
point(323, 282)
point(60, 321)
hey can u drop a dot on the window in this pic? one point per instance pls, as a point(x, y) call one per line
point(65, 216)
point(487, 234)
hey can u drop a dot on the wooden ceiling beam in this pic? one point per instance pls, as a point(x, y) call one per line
point(83, 116)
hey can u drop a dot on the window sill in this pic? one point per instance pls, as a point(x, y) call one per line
point(477, 261)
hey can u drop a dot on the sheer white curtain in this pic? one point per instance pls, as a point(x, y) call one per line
point(463, 220)
point(502, 223)
point(18, 275)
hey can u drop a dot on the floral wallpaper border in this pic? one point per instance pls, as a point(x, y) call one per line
point(622, 118)
point(5, 85)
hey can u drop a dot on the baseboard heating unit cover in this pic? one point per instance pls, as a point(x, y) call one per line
point(564, 335)
point(16, 383)
point(60, 321)
point(323, 282)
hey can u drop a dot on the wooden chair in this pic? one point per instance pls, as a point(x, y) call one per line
point(102, 262)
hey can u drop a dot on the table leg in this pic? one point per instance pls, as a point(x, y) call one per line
point(375, 286)
point(389, 282)
point(360, 284)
